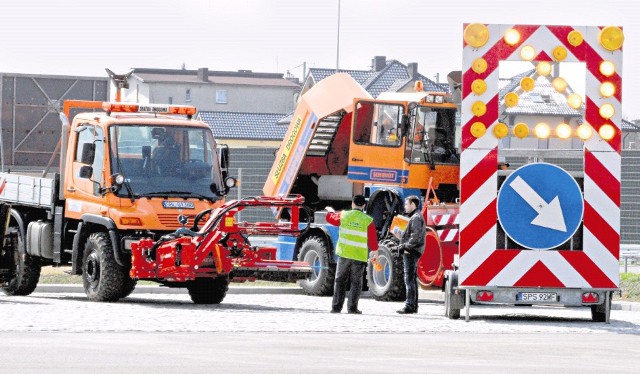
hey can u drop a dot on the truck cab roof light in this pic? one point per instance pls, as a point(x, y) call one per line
point(110, 107)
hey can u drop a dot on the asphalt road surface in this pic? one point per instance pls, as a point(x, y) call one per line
point(318, 353)
point(267, 333)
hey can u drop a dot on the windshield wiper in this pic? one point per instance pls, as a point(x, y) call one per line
point(126, 184)
point(180, 194)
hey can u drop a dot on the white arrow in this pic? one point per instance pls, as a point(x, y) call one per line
point(549, 215)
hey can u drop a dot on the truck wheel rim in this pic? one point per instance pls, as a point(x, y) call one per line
point(93, 269)
point(381, 277)
point(314, 261)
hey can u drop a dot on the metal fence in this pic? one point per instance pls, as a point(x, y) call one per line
point(251, 166)
point(630, 199)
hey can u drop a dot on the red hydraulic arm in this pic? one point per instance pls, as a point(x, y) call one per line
point(221, 247)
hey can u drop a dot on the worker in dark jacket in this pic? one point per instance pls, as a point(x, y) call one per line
point(357, 235)
point(411, 247)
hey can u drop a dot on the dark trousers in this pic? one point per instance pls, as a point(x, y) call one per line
point(410, 262)
point(351, 271)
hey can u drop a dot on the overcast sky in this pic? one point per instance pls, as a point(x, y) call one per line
point(83, 37)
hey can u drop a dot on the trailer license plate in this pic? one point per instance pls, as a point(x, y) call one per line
point(537, 296)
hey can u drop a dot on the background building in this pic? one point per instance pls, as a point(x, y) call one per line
point(228, 91)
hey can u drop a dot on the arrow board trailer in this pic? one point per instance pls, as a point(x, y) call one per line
point(546, 232)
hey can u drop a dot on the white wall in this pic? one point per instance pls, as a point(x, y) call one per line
point(240, 98)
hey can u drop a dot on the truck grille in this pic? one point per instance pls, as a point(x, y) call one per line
point(169, 220)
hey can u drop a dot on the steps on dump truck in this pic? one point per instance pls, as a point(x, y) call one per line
point(325, 133)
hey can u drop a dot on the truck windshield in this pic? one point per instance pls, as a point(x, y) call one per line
point(433, 136)
point(164, 160)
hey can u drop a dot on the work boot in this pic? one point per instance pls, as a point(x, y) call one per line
point(355, 311)
point(335, 311)
point(406, 310)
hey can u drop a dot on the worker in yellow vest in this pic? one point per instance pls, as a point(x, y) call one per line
point(357, 235)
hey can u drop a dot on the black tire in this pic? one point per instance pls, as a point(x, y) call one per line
point(128, 288)
point(387, 284)
point(103, 279)
point(599, 312)
point(27, 269)
point(208, 290)
point(316, 252)
point(451, 283)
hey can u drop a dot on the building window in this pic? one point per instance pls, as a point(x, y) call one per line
point(221, 96)
point(187, 97)
point(170, 100)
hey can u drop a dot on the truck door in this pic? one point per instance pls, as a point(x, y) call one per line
point(83, 193)
point(377, 143)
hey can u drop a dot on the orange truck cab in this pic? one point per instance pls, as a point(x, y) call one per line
point(127, 171)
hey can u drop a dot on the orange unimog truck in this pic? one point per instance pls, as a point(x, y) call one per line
point(126, 171)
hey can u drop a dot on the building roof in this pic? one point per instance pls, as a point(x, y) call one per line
point(543, 99)
point(206, 76)
point(629, 126)
point(249, 126)
point(392, 77)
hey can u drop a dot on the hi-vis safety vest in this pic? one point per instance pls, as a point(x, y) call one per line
point(352, 241)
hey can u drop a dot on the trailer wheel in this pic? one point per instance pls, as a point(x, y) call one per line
point(451, 283)
point(387, 284)
point(27, 268)
point(103, 279)
point(599, 312)
point(208, 290)
point(320, 283)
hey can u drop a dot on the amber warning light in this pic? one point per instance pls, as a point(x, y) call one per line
point(149, 108)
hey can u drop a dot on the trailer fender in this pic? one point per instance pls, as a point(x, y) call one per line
point(451, 284)
point(84, 229)
point(17, 217)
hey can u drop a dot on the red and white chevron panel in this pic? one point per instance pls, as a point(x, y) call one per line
point(482, 262)
point(445, 219)
point(448, 235)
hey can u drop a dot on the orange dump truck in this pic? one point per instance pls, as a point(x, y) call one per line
point(340, 142)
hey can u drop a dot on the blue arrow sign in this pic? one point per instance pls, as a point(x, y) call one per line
point(540, 206)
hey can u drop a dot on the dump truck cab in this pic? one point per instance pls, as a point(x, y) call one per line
point(406, 139)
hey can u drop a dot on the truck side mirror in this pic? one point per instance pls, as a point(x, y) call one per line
point(88, 153)
point(224, 157)
point(146, 152)
point(404, 125)
point(86, 171)
point(223, 160)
